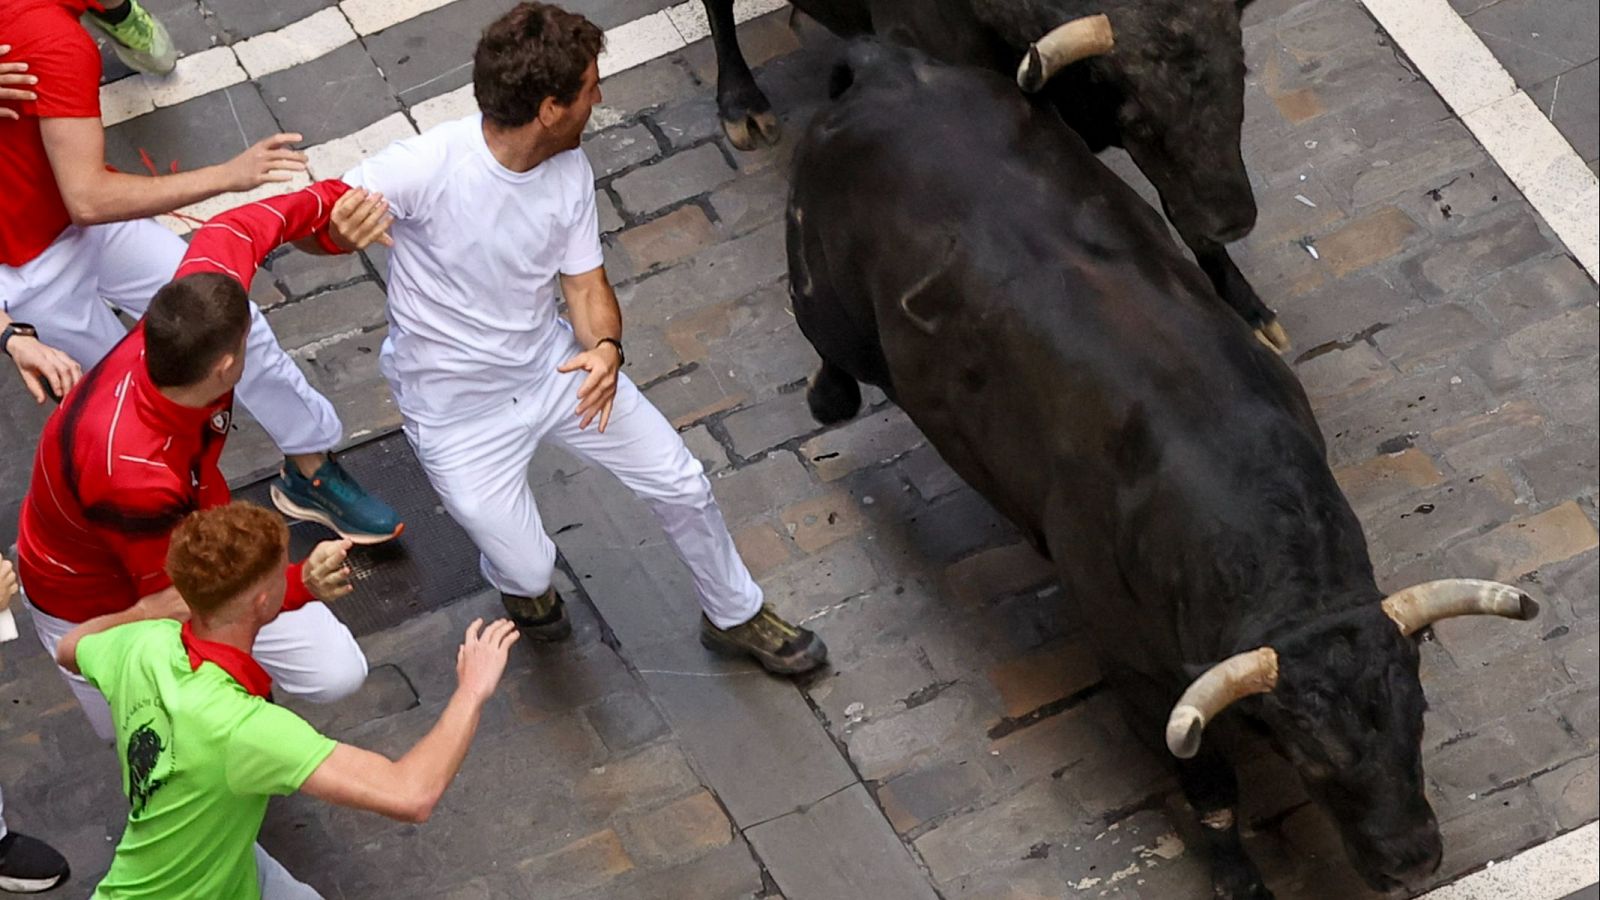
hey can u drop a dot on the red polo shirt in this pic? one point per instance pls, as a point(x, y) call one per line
point(119, 465)
point(47, 36)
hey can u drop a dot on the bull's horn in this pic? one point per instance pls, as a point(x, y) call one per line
point(1422, 605)
point(1061, 47)
point(1236, 677)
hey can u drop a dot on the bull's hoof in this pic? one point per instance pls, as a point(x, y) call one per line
point(753, 130)
point(1275, 337)
point(833, 395)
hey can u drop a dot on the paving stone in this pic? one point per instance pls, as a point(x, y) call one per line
point(765, 425)
point(1371, 483)
point(331, 96)
point(1521, 546)
point(587, 863)
point(875, 686)
point(689, 122)
point(1343, 373)
point(240, 19)
point(1570, 335)
point(997, 572)
point(653, 84)
point(1561, 471)
point(694, 396)
point(815, 523)
point(902, 740)
point(1465, 260)
point(300, 273)
point(1051, 673)
point(761, 487)
point(1375, 236)
point(810, 588)
point(840, 847)
point(957, 526)
point(1530, 293)
point(929, 474)
point(1514, 30)
point(656, 774)
point(1401, 407)
point(706, 449)
point(431, 54)
point(1042, 811)
point(625, 720)
point(916, 797)
point(1569, 100)
point(1430, 337)
point(1432, 519)
point(232, 119)
point(762, 548)
point(610, 219)
point(1421, 168)
point(615, 149)
point(721, 273)
point(264, 292)
point(1570, 792)
point(1484, 442)
point(664, 241)
point(359, 306)
point(346, 372)
point(751, 736)
point(677, 832)
point(750, 201)
point(385, 692)
point(729, 873)
point(869, 440)
point(675, 178)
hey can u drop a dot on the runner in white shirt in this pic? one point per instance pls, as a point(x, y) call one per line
point(491, 211)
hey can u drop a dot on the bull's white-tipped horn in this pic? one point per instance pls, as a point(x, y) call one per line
point(1237, 677)
point(1421, 605)
point(1063, 46)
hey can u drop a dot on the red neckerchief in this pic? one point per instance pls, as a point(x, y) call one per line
point(232, 660)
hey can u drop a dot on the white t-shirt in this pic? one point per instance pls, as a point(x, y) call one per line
point(472, 276)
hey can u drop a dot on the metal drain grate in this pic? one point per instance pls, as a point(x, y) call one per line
point(430, 566)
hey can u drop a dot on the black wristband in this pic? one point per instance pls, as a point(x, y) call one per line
point(622, 356)
point(22, 329)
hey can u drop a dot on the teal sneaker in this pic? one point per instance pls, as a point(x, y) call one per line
point(140, 41)
point(333, 498)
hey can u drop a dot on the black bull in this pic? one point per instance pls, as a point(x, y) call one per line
point(1171, 92)
point(957, 245)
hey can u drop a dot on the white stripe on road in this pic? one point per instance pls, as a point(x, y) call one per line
point(1549, 871)
point(291, 45)
point(627, 45)
point(1509, 125)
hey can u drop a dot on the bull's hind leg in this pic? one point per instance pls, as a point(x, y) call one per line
point(833, 394)
point(746, 112)
point(1210, 787)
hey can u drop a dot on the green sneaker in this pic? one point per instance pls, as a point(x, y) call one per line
point(781, 648)
point(140, 41)
point(541, 618)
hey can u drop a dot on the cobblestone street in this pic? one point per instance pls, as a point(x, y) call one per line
point(960, 745)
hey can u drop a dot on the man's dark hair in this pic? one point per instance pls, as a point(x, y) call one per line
point(532, 52)
point(192, 323)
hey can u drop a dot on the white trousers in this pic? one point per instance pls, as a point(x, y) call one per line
point(64, 290)
point(308, 653)
point(276, 882)
point(479, 468)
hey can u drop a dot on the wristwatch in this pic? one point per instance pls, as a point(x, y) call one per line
point(26, 330)
point(622, 356)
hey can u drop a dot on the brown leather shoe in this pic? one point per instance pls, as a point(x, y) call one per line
point(541, 618)
point(780, 647)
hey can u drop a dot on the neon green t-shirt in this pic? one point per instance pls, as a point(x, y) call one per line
point(200, 756)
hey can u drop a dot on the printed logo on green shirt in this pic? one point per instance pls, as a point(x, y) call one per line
point(149, 756)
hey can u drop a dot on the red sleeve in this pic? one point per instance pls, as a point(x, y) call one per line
point(60, 52)
point(236, 243)
point(296, 596)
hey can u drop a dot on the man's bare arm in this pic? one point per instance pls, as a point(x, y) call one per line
point(408, 789)
point(93, 195)
point(163, 604)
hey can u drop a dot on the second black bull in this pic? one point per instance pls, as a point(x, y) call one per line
point(1171, 92)
point(957, 245)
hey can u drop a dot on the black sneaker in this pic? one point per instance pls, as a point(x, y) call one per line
point(781, 648)
point(541, 618)
point(29, 865)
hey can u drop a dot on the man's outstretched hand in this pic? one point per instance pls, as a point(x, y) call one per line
point(269, 160)
point(481, 660)
point(325, 572)
point(46, 371)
